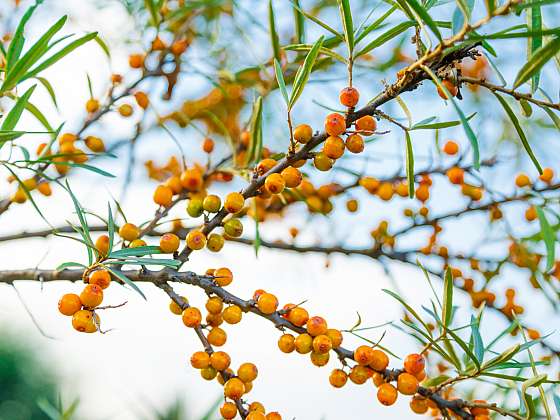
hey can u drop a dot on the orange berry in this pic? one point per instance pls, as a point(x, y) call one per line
point(450, 148)
point(275, 183)
point(255, 415)
point(44, 188)
point(322, 344)
point(196, 240)
point(215, 242)
point(92, 105)
point(286, 343)
point(387, 394)
point(355, 143)
point(125, 110)
point(335, 124)
point(352, 205)
point(274, 415)
point(298, 316)
point(423, 193)
point(407, 384)
point(419, 405)
point(91, 296)
point(174, 183)
point(380, 360)
point(363, 355)
point(220, 360)
point(366, 124)
point(129, 232)
point(163, 195)
point(208, 373)
point(303, 343)
point(212, 203)
point(385, 191)
point(200, 360)
point(316, 325)
point(377, 378)
point(333, 147)
point(303, 133)
point(137, 243)
point(267, 303)
point(530, 214)
point(547, 175)
point(414, 363)
point(450, 86)
point(360, 374)
point(95, 144)
point(208, 145)
point(136, 61)
point(247, 372)
point(319, 359)
point(100, 277)
point(479, 411)
point(102, 244)
point(191, 317)
point(84, 321)
point(179, 47)
point(456, 175)
point(335, 337)
point(234, 202)
point(322, 162)
point(214, 305)
point(234, 388)
point(232, 314)
point(116, 78)
point(69, 304)
point(292, 177)
point(176, 309)
point(265, 165)
point(142, 100)
point(223, 276)
point(338, 378)
point(191, 179)
point(217, 337)
point(228, 410)
point(522, 180)
point(349, 96)
point(256, 406)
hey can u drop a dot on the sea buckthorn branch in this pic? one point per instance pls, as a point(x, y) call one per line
point(511, 92)
point(482, 207)
point(387, 95)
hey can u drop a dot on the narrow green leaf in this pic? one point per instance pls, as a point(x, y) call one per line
point(556, 399)
point(273, 34)
point(519, 130)
point(408, 308)
point(447, 307)
point(435, 126)
point(409, 165)
point(135, 252)
point(69, 264)
point(84, 232)
point(348, 25)
point(110, 227)
point(304, 71)
point(386, 36)
point(502, 357)
point(118, 274)
point(538, 60)
point(255, 128)
point(47, 85)
point(299, 22)
point(423, 14)
point(534, 21)
point(549, 238)
point(466, 126)
point(280, 80)
point(373, 26)
point(16, 44)
point(325, 51)
point(14, 115)
point(59, 55)
point(39, 116)
point(435, 381)
point(103, 45)
point(317, 21)
point(477, 340)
